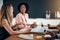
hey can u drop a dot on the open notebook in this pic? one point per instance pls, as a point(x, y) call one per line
point(39, 29)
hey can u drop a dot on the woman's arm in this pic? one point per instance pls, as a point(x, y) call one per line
point(32, 25)
point(9, 29)
point(19, 22)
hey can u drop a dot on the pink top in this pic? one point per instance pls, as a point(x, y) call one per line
point(22, 19)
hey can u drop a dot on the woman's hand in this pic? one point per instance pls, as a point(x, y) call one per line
point(18, 26)
point(33, 25)
point(26, 30)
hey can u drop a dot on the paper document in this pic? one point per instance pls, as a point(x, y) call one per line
point(29, 37)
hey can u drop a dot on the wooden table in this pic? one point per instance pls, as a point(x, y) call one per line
point(35, 35)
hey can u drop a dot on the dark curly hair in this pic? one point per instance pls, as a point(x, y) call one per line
point(26, 5)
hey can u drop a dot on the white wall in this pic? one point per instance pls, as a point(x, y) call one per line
point(1, 3)
point(41, 20)
point(45, 21)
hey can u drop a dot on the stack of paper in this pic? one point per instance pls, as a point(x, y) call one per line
point(39, 29)
point(24, 36)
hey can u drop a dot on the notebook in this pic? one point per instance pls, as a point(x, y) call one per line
point(39, 29)
point(24, 36)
